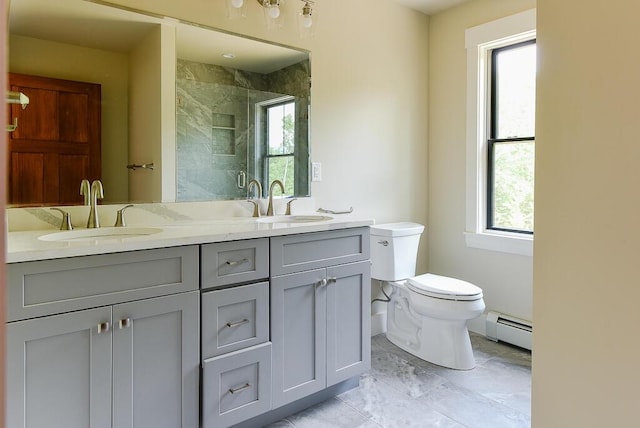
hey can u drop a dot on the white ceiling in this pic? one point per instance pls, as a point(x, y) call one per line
point(430, 7)
point(96, 26)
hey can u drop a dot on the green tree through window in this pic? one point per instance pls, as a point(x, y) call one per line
point(511, 142)
point(280, 153)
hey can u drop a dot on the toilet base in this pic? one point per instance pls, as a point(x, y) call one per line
point(442, 342)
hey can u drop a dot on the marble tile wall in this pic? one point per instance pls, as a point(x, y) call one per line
point(215, 136)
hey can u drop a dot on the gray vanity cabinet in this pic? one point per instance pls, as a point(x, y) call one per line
point(236, 352)
point(320, 318)
point(59, 371)
point(104, 361)
point(155, 362)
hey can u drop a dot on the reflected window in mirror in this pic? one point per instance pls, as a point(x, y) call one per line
point(279, 149)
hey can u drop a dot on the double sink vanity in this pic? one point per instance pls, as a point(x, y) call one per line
point(215, 320)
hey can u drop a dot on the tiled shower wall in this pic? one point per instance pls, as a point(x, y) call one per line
point(216, 137)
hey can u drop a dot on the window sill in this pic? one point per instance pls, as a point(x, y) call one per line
point(505, 243)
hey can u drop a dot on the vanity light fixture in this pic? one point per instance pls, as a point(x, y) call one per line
point(273, 13)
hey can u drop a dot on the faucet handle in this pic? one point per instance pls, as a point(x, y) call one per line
point(256, 207)
point(120, 216)
point(288, 212)
point(66, 220)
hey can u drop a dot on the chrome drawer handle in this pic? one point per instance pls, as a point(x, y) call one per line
point(332, 280)
point(103, 327)
point(236, 262)
point(321, 283)
point(124, 323)
point(237, 323)
point(240, 388)
point(384, 243)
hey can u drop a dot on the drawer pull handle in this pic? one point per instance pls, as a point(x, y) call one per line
point(237, 323)
point(103, 327)
point(236, 262)
point(240, 388)
point(332, 280)
point(384, 243)
point(321, 283)
point(124, 323)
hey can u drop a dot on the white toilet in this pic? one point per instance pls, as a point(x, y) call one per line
point(427, 314)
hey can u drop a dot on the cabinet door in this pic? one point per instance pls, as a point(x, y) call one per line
point(298, 334)
point(59, 371)
point(348, 321)
point(156, 362)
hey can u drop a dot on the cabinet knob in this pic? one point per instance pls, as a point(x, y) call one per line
point(103, 327)
point(321, 283)
point(332, 280)
point(124, 323)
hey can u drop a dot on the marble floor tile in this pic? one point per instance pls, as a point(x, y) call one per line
point(331, 413)
point(392, 409)
point(402, 390)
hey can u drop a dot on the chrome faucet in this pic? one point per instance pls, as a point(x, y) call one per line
point(256, 204)
point(85, 190)
point(97, 192)
point(273, 183)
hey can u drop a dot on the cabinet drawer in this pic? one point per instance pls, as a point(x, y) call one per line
point(234, 262)
point(236, 386)
point(53, 286)
point(296, 253)
point(234, 318)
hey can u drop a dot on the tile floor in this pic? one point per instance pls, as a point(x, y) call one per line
point(401, 390)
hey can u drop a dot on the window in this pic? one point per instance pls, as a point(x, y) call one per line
point(511, 142)
point(501, 134)
point(279, 151)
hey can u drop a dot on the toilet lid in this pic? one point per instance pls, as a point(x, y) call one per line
point(443, 287)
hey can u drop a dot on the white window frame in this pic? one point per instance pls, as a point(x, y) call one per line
point(479, 41)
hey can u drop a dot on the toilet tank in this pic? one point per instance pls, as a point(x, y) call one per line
point(394, 249)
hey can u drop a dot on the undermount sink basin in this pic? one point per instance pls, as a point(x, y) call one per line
point(295, 219)
point(103, 233)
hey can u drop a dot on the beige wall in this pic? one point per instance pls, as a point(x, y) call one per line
point(587, 250)
point(506, 279)
point(110, 69)
point(369, 97)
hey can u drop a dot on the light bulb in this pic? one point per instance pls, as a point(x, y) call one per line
point(274, 12)
point(307, 22)
point(237, 3)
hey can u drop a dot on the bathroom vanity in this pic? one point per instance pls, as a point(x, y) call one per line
point(233, 322)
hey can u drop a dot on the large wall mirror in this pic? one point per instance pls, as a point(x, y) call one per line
point(208, 109)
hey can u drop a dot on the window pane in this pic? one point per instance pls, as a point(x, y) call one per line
point(281, 127)
point(513, 171)
point(515, 91)
point(281, 168)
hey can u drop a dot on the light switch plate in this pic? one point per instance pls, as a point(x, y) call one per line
point(316, 171)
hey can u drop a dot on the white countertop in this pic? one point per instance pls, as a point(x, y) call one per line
point(23, 246)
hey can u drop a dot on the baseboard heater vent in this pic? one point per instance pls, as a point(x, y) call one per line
point(505, 328)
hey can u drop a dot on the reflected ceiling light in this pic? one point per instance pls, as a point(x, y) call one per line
point(305, 17)
point(273, 13)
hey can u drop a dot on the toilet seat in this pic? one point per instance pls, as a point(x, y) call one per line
point(442, 287)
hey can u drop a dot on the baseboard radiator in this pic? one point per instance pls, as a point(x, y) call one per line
point(505, 328)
